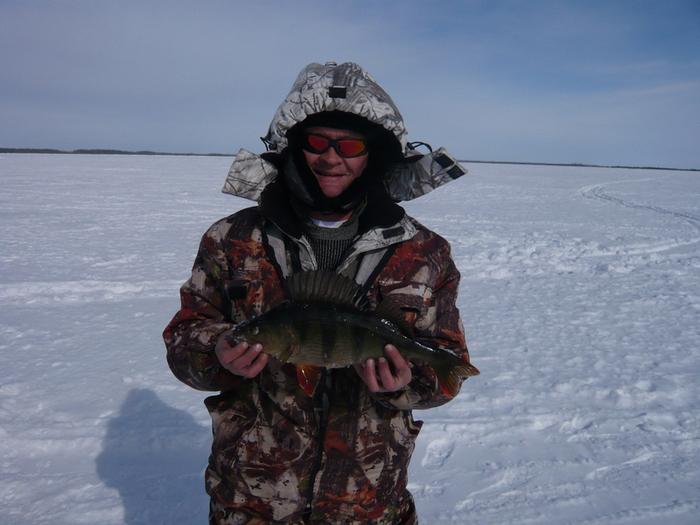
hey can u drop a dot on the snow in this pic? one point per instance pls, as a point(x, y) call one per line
point(580, 296)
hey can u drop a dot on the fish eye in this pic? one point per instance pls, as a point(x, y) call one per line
point(254, 330)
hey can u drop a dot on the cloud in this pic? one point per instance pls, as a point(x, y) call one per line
point(492, 80)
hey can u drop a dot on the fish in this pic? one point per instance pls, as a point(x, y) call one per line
point(322, 325)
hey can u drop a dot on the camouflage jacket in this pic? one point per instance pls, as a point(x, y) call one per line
point(342, 452)
point(269, 446)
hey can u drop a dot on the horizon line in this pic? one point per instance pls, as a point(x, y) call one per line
point(50, 151)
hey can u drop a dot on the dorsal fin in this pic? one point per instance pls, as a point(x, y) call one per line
point(322, 285)
point(391, 311)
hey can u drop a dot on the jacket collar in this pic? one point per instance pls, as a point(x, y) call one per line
point(380, 213)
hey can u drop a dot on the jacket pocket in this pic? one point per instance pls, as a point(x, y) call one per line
point(233, 413)
point(259, 454)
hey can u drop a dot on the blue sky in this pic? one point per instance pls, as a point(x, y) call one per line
point(600, 82)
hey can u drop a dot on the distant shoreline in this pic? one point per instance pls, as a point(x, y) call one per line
point(121, 152)
point(108, 152)
point(574, 165)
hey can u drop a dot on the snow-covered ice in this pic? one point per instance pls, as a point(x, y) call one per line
point(580, 296)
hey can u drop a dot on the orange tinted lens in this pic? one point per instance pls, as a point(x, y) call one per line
point(351, 147)
point(318, 144)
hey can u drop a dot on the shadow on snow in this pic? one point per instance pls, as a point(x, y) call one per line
point(155, 455)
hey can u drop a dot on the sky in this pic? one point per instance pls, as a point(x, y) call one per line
point(592, 82)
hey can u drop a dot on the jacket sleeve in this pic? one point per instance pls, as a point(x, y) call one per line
point(437, 323)
point(191, 336)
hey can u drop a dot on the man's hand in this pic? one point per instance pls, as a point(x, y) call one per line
point(394, 372)
point(241, 359)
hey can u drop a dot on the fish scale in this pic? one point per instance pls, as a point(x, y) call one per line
point(329, 338)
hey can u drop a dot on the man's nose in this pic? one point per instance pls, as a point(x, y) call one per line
point(331, 156)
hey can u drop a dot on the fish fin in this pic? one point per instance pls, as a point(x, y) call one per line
point(322, 285)
point(451, 372)
point(280, 361)
point(286, 354)
point(308, 377)
point(389, 310)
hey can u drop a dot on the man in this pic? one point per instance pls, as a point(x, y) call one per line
point(326, 191)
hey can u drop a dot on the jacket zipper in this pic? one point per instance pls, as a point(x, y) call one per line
point(321, 416)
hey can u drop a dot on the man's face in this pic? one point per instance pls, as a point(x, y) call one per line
point(333, 172)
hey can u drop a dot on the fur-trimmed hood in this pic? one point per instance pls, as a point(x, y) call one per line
point(347, 88)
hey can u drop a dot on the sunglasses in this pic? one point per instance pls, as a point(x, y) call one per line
point(346, 148)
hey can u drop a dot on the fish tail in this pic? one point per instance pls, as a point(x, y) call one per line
point(451, 372)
